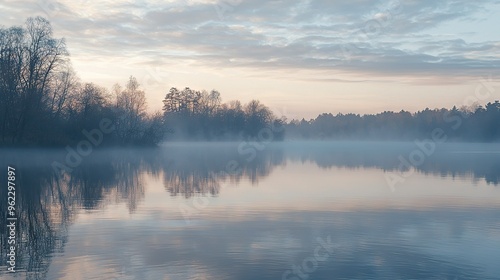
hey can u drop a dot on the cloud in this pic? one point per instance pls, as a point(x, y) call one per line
point(386, 38)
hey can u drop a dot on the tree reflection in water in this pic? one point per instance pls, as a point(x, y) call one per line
point(46, 203)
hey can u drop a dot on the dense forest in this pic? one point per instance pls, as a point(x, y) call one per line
point(199, 115)
point(473, 123)
point(43, 102)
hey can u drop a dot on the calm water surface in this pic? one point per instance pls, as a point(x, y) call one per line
point(281, 211)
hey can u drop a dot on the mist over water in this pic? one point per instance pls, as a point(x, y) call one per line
point(247, 210)
point(130, 163)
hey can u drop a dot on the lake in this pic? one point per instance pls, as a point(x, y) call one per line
point(294, 210)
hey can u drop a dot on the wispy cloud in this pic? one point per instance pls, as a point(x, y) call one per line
point(385, 38)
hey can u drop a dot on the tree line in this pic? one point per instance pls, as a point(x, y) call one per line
point(474, 123)
point(43, 102)
point(200, 115)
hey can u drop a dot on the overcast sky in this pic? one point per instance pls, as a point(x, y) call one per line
point(299, 57)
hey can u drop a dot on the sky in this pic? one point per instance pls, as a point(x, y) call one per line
point(299, 57)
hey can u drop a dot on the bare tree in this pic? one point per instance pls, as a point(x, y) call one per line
point(64, 85)
point(131, 106)
point(42, 57)
point(29, 60)
point(11, 63)
point(90, 100)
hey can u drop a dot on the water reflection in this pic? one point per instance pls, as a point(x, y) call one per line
point(455, 159)
point(197, 168)
point(369, 244)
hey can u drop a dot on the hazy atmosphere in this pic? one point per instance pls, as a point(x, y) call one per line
point(238, 140)
point(301, 58)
